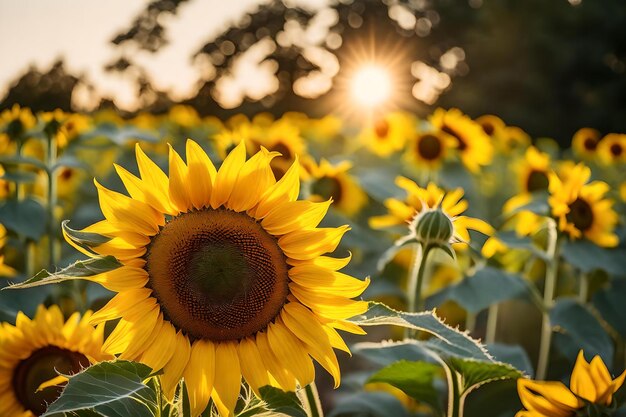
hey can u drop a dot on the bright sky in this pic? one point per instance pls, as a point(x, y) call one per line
point(40, 31)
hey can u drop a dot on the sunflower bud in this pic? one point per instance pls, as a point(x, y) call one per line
point(432, 227)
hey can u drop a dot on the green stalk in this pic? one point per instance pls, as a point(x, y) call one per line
point(548, 300)
point(52, 200)
point(416, 282)
point(313, 400)
point(492, 324)
point(583, 288)
point(455, 402)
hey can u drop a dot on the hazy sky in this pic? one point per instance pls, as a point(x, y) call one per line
point(40, 31)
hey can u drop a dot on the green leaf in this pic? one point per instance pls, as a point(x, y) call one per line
point(588, 256)
point(498, 399)
point(23, 177)
point(121, 135)
point(77, 270)
point(22, 160)
point(282, 402)
point(577, 328)
point(486, 287)
point(450, 341)
point(369, 404)
point(83, 239)
point(514, 355)
point(25, 217)
point(477, 373)
point(514, 241)
point(387, 352)
point(112, 389)
point(414, 379)
point(610, 303)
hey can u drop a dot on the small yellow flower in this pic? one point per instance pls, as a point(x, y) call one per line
point(334, 181)
point(420, 200)
point(34, 352)
point(473, 144)
point(585, 143)
point(589, 383)
point(428, 150)
point(612, 149)
point(388, 134)
point(581, 209)
point(16, 120)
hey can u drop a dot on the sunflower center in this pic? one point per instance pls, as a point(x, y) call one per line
point(381, 128)
point(41, 366)
point(217, 274)
point(580, 214)
point(462, 145)
point(283, 150)
point(429, 147)
point(328, 187)
point(488, 128)
point(590, 144)
point(616, 149)
point(537, 181)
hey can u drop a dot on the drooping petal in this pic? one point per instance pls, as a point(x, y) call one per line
point(228, 378)
point(200, 375)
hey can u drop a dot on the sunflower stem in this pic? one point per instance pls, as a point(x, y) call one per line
point(455, 403)
point(313, 400)
point(548, 299)
point(583, 288)
point(492, 324)
point(416, 282)
point(470, 322)
point(52, 199)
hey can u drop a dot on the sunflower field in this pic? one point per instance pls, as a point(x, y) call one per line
point(177, 265)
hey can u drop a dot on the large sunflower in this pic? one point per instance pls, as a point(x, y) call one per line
point(223, 276)
point(34, 352)
point(473, 144)
point(581, 209)
point(420, 200)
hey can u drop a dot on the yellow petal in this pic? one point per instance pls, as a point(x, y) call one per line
point(309, 244)
point(252, 367)
point(228, 381)
point(294, 215)
point(227, 175)
point(202, 174)
point(254, 178)
point(57, 380)
point(283, 376)
point(199, 375)
point(125, 304)
point(302, 323)
point(328, 306)
point(155, 179)
point(286, 189)
point(128, 213)
point(290, 352)
point(179, 180)
point(581, 382)
point(173, 370)
point(330, 282)
point(549, 398)
point(122, 278)
point(140, 190)
point(162, 347)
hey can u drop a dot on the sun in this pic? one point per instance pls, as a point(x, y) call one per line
point(371, 86)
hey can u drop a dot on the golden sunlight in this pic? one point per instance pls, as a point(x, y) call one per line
point(371, 86)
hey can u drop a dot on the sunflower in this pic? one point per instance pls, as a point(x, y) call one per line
point(533, 173)
point(223, 276)
point(280, 136)
point(387, 134)
point(472, 143)
point(612, 149)
point(34, 352)
point(429, 149)
point(585, 143)
point(590, 383)
point(581, 209)
point(333, 181)
point(420, 200)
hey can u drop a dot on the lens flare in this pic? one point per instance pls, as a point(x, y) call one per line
point(371, 86)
